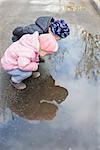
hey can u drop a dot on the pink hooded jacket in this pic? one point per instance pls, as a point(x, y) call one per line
point(23, 54)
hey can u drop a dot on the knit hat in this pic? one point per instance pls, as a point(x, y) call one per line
point(48, 44)
point(60, 28)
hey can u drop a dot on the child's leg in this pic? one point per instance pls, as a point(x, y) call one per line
point(17, 76)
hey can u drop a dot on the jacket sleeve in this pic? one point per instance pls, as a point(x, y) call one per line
point(33, 66)
point(17, 34)
point(25, 64)
point(20, 31)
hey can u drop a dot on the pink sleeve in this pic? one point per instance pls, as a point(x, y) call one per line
point(33, 66)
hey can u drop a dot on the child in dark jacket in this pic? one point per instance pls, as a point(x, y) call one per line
point(43, 25)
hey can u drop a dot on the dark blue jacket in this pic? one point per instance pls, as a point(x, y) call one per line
point(41, 25)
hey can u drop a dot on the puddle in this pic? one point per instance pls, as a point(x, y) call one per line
point(79, 58)
point(5, 115)
point(89, 64)
point(41, 102)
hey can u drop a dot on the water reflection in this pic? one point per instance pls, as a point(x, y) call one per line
point(41, 103)
point(6, 115)
point(89, 64)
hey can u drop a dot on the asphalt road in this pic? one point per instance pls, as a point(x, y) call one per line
point(70, 120)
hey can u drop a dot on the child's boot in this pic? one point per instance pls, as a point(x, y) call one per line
point(36, 74)
point(19, 86)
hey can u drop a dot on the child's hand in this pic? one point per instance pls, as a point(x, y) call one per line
point(41, 60)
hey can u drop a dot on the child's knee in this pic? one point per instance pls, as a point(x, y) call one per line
point(29, 74)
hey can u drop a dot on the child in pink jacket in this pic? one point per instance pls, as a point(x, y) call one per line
point(22, 57)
